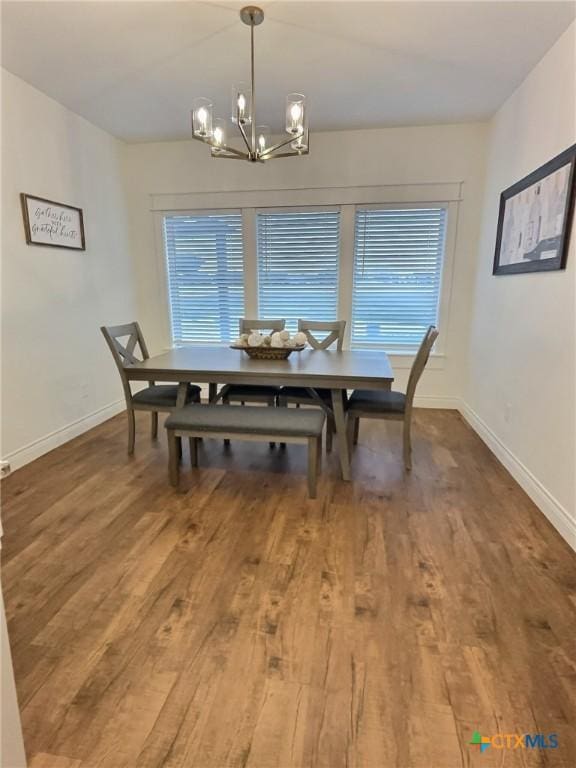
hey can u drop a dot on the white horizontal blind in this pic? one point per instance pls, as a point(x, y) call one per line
point(205, 275)
point(398, 257)
point(298, 252)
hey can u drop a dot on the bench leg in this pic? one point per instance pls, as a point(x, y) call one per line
point(173, 458)
point(154, 425)
point(313, 452)
point(193, 451)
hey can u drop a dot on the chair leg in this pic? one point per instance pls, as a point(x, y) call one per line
point(329, 434)
point(282, 403)
point(407, 444)
point(193, 441)
point(312, 466)
point(225, 401)
point(356, 430)
point(131, 431)
point(154, 425)
point(351, 431)
point(173, 459)
point(272, 404)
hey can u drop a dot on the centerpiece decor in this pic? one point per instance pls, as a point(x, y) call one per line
point(277, 346)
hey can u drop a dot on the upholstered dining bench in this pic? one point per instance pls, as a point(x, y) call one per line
point(246, 423)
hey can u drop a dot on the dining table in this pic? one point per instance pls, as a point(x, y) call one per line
point(309, 368)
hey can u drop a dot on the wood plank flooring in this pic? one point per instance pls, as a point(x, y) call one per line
point(239, 624)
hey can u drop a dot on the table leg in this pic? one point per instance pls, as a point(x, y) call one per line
point(340, 424)
point(212, 392)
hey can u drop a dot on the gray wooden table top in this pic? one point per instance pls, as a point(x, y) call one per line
point(311, 368)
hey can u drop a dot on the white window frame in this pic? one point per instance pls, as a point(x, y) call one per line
point(347, 199)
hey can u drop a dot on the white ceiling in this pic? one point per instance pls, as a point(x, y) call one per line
point(133, 68)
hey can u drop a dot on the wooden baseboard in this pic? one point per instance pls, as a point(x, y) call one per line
point(560, 518)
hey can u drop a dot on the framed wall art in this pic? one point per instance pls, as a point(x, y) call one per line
point(53, 224)
point(535, 219)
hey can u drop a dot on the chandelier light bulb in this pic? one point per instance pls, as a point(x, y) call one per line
point(202, 118)
point(218, 136)
point(241, 101)
point(295, 113)
point(263, 138)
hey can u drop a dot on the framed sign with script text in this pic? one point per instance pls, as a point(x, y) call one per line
point(53, 224)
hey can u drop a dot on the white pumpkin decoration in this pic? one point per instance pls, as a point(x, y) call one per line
point(276, 340)
point(284, 335)
point(299, 338)
point(267, 340)
point(255, 339)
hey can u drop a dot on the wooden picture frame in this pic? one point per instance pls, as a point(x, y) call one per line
point(535, 218)
point(51, 224)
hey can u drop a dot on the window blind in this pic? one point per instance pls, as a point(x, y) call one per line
point(298, 254)
point(398, 257)
point(205, 275)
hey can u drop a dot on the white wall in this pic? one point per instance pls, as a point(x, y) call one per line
point(56, 368)
point(521, 389)
point(12, 753)
point(393, 156)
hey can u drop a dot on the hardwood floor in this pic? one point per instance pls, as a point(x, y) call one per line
point(240, 624)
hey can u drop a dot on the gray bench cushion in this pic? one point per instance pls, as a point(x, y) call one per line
point(377, 401)
point(164, 395)
point(228, 419)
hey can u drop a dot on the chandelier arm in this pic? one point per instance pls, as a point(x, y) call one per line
point(243, 132)
point(241, 156)
point(232, 150)
point(272, 149)
point(295, 153)
point(203, 139)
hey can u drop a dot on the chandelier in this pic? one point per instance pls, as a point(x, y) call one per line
point(257, 139)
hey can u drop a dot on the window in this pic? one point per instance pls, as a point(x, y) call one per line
point(298, 253)
point(397, 269)
point(205, 275)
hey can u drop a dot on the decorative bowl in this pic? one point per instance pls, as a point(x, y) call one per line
point(268, 353)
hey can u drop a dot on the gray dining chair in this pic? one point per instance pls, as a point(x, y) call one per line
point(127, 345)
point(251, 393)
point(300, 395)
point(387, 404)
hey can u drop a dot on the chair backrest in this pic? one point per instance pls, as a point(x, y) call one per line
point(420, 362)
point(335, 330)
point(123, 351)
point(247, 325)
